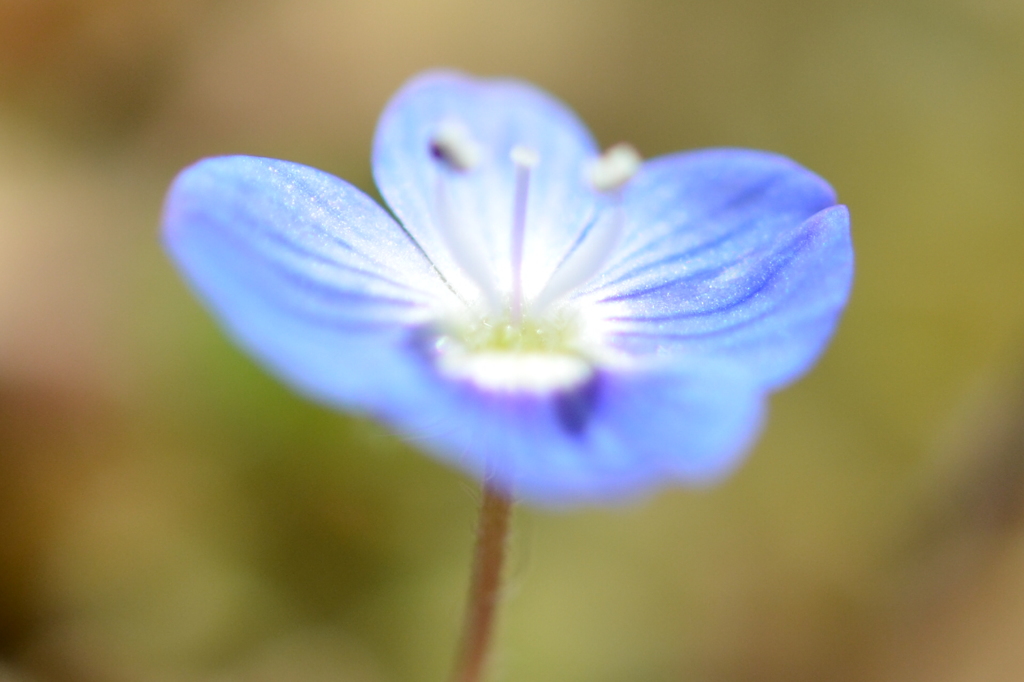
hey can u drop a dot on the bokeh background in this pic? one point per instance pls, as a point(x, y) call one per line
point(170, 513)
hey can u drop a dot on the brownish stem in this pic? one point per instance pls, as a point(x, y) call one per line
point(484, 592)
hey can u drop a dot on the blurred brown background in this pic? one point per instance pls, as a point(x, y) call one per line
point(170, 513)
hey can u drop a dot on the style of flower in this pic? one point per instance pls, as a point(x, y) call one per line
point(569, 325)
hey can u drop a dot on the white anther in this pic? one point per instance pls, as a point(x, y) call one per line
point(526, 157)
point(453, 145)
point(614, 168)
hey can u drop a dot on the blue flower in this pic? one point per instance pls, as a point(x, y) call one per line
point(575, 327)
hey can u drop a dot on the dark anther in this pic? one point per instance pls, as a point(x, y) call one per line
point(575, 407)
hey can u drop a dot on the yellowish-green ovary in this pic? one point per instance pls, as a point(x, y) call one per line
point(529, 336)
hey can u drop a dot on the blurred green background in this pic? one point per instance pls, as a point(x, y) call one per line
point(168, 512)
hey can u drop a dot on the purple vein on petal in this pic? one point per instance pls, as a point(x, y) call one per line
point(301, 254)
point(745, 197)
point(709, 216)
point(767, 275)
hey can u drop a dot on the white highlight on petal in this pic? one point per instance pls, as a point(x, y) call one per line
point(463, 244)
point(614, 168)
point(453, 145)
point(516, 372)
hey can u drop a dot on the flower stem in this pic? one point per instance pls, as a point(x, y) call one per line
point(495, 511)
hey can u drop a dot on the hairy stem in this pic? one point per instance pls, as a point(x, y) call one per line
point(484, 590)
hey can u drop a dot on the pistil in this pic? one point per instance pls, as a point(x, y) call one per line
point(525, 159)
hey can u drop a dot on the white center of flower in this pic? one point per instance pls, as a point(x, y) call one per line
point(515, 345)
point(516, 372)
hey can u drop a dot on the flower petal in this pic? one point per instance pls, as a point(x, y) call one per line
point(733, 253)
point(306, 271)
point(499, 115)
point(619, 436)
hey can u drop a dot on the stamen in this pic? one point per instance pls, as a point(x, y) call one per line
point(585, 261)
point(614, 168)
point(525, 160)
point(454, 146)
point(608, 174)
